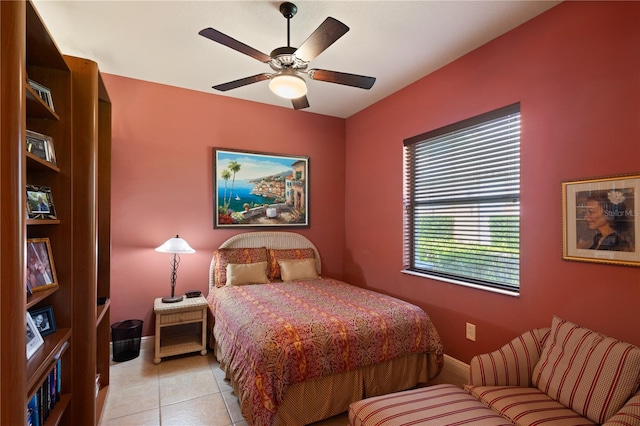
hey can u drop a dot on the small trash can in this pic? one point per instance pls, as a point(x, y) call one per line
point(126, 336)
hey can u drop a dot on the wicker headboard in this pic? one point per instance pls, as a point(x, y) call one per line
point(268, 239)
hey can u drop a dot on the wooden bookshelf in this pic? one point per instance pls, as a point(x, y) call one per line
point(80, 186)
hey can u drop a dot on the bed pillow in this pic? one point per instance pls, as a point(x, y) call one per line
point(586, 371)
point(224, 256)
point(247, 273)
point(286, 254)
point(298, 269)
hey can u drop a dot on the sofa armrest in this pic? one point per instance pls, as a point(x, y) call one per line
point(629, 414)
point(512, 364)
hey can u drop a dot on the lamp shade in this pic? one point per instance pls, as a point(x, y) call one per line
point(175, 245)
point(288, 85)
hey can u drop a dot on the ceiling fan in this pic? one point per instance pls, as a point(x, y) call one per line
point(289, 63)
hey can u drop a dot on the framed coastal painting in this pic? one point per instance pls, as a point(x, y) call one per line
point(601, 220)
point(259, 190)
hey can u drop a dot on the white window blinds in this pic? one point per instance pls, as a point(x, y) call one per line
point(462, 201)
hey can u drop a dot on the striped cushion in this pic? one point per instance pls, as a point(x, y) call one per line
point(629, 414)
point(592, 374)
point(527, 406)
point(512, 364)
point(434, 405)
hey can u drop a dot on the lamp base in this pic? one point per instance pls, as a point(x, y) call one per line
point(174, 299)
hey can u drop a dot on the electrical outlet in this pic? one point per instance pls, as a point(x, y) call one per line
point(471, 332)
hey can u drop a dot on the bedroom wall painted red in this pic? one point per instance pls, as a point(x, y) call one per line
point(162, 182)
point(576, 72)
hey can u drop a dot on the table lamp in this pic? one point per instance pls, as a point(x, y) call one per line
point(175, 246)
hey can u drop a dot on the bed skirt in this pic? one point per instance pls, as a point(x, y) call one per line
point(318, 399)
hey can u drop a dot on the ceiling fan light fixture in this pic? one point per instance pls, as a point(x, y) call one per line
point(289, 86)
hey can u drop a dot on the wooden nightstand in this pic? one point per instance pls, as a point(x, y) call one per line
point(181, 327)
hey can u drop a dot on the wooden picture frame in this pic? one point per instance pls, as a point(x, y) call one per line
point(44, 320)
point(259, 190)
point(42, 91)
point(41, 146)
point(34, 339)
point(40, 203)
point(41, 270)
point(601, 220)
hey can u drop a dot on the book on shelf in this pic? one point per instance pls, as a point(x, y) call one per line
point(32, 412)
point(45, 398)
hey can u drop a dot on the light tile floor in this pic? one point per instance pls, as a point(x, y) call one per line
point(185, 391)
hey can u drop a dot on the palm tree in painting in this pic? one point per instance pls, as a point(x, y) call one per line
point(234, 167)
point(225, 175)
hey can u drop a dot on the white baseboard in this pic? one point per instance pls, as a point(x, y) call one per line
point(146, 343)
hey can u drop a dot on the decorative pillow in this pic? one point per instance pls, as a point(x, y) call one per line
point(590, 373)
point(299, 269)
point(225, 256)
point(247, 273)
point(285, 254)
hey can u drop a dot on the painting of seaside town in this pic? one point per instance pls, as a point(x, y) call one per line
point(259, 189)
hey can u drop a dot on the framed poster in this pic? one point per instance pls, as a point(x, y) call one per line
point(253, 189)
point(601, 220)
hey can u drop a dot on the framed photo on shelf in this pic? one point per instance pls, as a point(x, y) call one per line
point(34, 339)
point(40, 203)
point(601, 220)
point(44, 320)
point(41, 271)
point(41, 146)
point(254, 189)
point(43, 92)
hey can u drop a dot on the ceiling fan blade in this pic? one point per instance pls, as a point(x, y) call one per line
point(324, 36)
point(242, 82)
point(300, 103)
point(361, 81)
point(224, 39)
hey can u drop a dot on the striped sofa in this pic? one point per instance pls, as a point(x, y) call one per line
point(565, 375)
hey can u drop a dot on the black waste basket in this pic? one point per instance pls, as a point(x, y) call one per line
point(126, 336)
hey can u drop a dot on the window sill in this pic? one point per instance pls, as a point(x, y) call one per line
point(462, 283)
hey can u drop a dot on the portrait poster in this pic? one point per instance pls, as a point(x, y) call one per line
point(253, 189)
point(601, 220)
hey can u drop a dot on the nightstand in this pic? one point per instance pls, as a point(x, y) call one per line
point(181, 327)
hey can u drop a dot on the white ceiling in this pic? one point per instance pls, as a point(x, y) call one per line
point(398, 42)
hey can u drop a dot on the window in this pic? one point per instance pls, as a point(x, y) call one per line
point(462, 201)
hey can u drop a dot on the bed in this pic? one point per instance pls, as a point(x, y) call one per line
point(298, 347)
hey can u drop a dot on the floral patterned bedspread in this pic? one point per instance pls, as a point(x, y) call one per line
point(272, 336)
